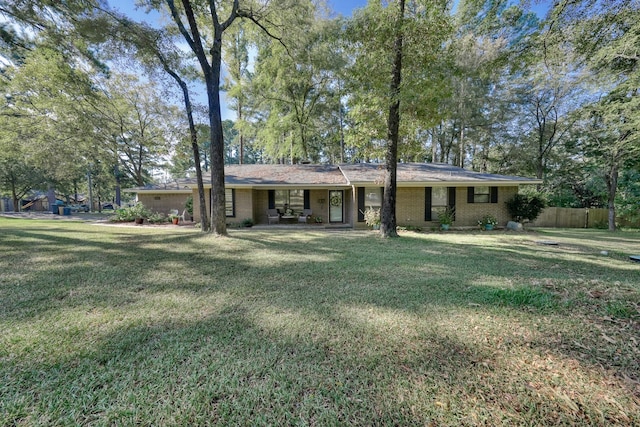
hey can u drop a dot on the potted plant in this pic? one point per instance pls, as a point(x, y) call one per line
point(157, 218)
point(139, 212)
point(317, 219)
point(372, 218)
point(175, 219)
point(446, 218)
point(488, 222)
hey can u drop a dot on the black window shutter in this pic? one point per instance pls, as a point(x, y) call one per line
point(451, 202)
point(427, 203)
point(233, 202)
point(470, 192)
point(307, 200)
point(494, 194)
point(360, 204)
point(272, 199)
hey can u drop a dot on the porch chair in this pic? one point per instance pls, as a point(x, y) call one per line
point(184, 215)
point(304, 215)
point(273, 216)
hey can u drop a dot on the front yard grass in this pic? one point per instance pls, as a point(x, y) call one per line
point(103, 325)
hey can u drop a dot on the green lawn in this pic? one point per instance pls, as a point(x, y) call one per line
point(104, 325)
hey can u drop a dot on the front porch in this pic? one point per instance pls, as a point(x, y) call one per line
point(283, 207)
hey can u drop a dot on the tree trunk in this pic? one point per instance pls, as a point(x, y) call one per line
point(241, 136)
point(204, 218)
point(16, 201)
point(388, 214)
point(612, 186)
point(462, 151)
point(218, 216)
point(341, 118)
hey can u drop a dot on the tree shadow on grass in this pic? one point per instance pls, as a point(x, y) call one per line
point(329, 330)
point(231, 369)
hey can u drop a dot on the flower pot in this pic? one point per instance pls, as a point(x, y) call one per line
point(488, 227)
point(444, 227)
point(175, 221)
point(376, 226)
point(139, 220)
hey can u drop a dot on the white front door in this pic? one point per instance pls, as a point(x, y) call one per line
point(336, 211)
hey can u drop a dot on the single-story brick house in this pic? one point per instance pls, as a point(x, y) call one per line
point(338, 194)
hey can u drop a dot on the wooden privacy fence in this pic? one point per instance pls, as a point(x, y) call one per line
point(576, 218)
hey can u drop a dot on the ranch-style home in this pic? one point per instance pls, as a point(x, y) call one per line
point(337, 195)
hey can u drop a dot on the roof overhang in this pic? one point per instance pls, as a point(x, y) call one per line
point(158, 190)
point(506, 183)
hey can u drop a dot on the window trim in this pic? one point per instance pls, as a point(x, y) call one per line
point(306, 201)
point(233, 202)
point(493, 195)
point(428, 202)
point(361, 195)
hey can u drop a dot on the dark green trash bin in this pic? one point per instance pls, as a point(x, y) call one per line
point(66, 211)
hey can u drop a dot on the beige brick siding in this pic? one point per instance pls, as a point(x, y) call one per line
point(243, 205)
point(468, 214)
point(164, 202)
point(410, 208)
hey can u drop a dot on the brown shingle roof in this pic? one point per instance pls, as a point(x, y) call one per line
point(408, 173)
point(344, 175)
point(283, 175)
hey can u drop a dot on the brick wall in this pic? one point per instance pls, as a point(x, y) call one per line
point(164, 202)
point(468, 214)
point(243, 205)
point(410, 208)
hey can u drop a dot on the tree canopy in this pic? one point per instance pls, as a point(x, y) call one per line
point(487, 85)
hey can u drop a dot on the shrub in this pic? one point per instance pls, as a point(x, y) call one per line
point(248, 222)
point(371, 216)
point(447, 216)
point(188, 205)
point(157, 218)
point(488, 220)
point(524, 206)
point(130, 213)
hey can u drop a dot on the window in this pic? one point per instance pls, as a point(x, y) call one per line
point(368, 197)
point(296, 200)
point(482, 194)
point(372, 197)
point(437, 200)
point(230, 202)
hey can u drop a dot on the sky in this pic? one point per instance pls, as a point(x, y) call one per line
point(340, 7)
point(345, 7)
